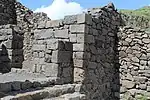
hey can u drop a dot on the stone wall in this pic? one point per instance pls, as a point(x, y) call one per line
point(11, 48)
point(7, 12)
point(47, 35)
point(25, 26)
point(110, 62)
point(53, 59)
point(6, 36)
point(99, 73)
point(93, 36)
point(134, 55)
point(27, 22)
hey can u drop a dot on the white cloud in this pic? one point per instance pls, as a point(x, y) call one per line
point(59, 8)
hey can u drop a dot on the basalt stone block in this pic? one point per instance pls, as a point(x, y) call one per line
point(79, 75)
point(73, 37)
point(71, 19)
point(39, 60)
point(42, 24)
point(81, 55)
point(79, 63)
point(78, 47)
point(53, 23)
point(51, 70)
point(140, 79)
point(26, 85)
point(78, 28)
point(38, 47)
point(143, 86)
point(28, 65)
point(44, 34)
point(84, 18)
point(145, 40)
point(128, 84)
point(55, 45)
point(92, 65)
point(135, 59)
point(16, 86)
point(35, 54)
point(90, 39)
point(81, 38)
point(61, 33)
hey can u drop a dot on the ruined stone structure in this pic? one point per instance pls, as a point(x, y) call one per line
point(89, 56)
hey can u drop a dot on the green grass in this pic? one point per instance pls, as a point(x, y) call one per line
point(142, 98)
point(142, 12)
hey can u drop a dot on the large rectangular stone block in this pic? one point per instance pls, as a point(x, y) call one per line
point(73, 37)
point(78, 47)
point(38, 47)
point(42, 24)
point(39, 61)
point(78, 28)
point(81, 38)
point(70, 19)
point(29, 65)
point(61, 33)
point(8, 31)
point(44, 34)
point(53, 23)
point(54, 44)
point(84, 18)
point(79, 75)
point(51, 70)
point(78, 63)
point(81, 55)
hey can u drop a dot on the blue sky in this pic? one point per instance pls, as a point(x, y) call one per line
point(57, 9)
point(123, 4)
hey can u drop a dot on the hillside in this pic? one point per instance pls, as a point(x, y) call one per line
point(137, 18)
point(143, 12)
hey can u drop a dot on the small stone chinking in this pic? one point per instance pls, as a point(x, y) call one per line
point(96, 55)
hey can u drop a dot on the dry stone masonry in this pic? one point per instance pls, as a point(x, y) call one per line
point(96, 55)
point(134, 62)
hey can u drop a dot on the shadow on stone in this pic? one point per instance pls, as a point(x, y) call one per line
point(5, 63)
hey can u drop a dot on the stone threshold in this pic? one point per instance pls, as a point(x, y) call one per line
point(58, 91)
